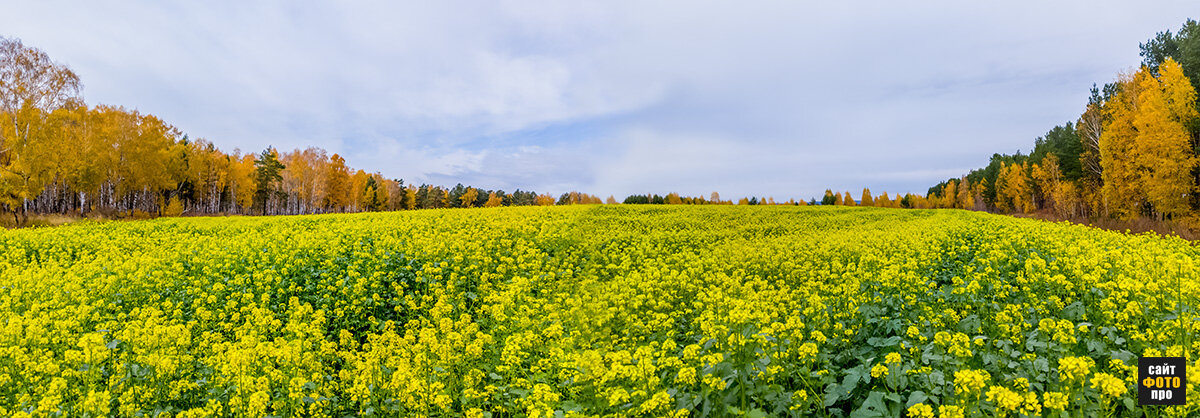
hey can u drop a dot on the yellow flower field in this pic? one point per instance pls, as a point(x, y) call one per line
point(590, 311)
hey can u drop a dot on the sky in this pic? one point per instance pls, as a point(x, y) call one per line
point(761, 98)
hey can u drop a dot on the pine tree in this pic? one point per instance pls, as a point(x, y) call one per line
point(829, 198)
point(266, 178)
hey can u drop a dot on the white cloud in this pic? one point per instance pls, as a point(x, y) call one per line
point(765, 98)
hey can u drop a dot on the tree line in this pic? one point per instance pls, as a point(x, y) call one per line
point(59, 155)
point(1133, 152)
point(908, 201)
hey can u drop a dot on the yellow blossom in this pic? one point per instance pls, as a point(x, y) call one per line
point(920, 410)
point(1108, 385)
point(879, 371)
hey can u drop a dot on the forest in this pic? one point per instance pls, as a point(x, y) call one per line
point(59, 155)
point(1131, 154)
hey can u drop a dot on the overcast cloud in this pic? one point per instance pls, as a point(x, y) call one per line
point(780, 99)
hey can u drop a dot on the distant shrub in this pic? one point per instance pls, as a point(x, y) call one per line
point(174, 207)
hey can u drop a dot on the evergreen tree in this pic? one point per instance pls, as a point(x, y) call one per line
point(266, 177)
point(829, 198)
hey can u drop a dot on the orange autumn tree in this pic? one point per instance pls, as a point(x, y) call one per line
point(32, 86)
point(468, 198)
point(1048, 179)
point(493, 201)
point(337, 183)
point(1146, 153)
point(965, 200)
point(1013, 191)
point(883, 201)
point(949, 197)
point(1162, 153)
point(1121, 198)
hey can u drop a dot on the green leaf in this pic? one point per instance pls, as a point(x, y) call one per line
point(1041, 365)
point(873, 407)
point(831, 398)
point(1074, 311)
point(883, 342)
point(969, 324)
point(855, 375)
point(916, 398)
point(1123, 355)
point(571, 406)
point(937, 377)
